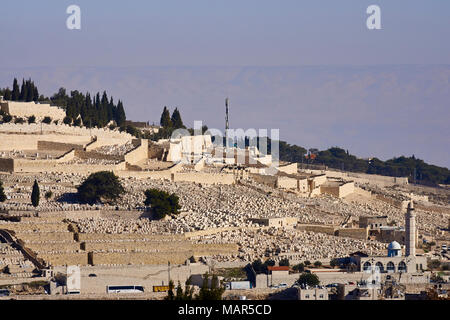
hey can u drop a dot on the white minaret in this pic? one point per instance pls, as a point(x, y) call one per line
point(410, 230)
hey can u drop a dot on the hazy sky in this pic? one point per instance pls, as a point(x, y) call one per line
point(231, 32)
point(310, 68)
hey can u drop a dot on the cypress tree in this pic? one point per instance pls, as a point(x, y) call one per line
point(35, 194)
point(120, 118)
point(35, 93)
point(29, 92)
point(165, 118)
point(84, 110)
point(111, 110)
point(2, 193)
point(23, 91)
point(7, 94)
point(103, 117)
point(176, 119)
point(15, 93)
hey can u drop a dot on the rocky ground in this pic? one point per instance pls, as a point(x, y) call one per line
point(217, 206)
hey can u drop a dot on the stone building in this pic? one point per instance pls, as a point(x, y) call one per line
point(410, 265)
point(372, 222)
point(379, 230)
point(313, 294)
point(276, 222)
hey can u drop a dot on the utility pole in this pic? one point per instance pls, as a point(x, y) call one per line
point(168, 269)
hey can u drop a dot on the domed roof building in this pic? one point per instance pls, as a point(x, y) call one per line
point(395, 263)
point(394, 249)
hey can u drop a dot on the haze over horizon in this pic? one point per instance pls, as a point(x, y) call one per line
point(311, 69)
point(371, 111)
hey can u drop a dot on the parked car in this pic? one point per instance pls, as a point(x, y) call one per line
point(92, 275)
point(332, 285)
point(4, 293)
point(282, 285)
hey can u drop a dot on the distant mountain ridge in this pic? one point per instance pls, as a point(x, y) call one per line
point(381, 111)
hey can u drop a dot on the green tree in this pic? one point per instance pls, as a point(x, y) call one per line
point(299, 267)
point(35, 97)
point(47, 120)
point(213, 292)
point(165, 118)
point(161, 202)
point(132, 130)
point(309, 279)
point(187, 294)
point(269, 262)
point(31, 119)
point(23, 91)
point(67, 120)
point(258, 266)
point(77, 122)
point(334, 263)
point(317, 264)
point(284, 262)
point(7, 95)
point(2, 193)
point(48, 195)
point(188, 290)
point(15, 95)
point(102, 186)
point(176, 119)
point(170, 294)
point(7, 118)
point(30, 91)
point(179, 292)
point(35, 194)
point(120, 117)
point(307, 263)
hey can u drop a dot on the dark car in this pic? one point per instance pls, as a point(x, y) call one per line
point(92, 275)
point(4, 293)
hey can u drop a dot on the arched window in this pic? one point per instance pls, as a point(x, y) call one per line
point(367, 266)
point(390, 267)
point(380, 266)
point(402, 267)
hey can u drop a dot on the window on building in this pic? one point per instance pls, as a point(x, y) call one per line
point(306, 296)
point(380, 266)
point(367, 266)
point(402, 267)
point(390, 267)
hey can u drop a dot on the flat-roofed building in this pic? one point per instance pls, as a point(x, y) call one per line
point(313, 294)
point(276, 222)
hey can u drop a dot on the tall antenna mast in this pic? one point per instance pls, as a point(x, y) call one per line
point(227, 124)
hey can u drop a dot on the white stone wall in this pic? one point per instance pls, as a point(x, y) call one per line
point(27, 109)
